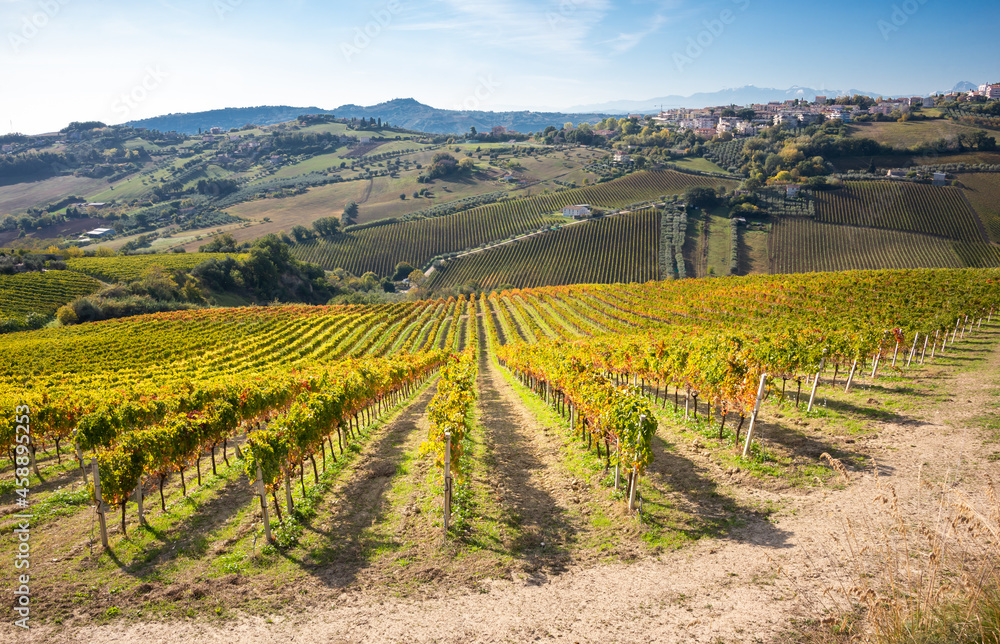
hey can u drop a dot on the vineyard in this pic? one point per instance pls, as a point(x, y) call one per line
point(901, 206)
point(983, 191)
point(379, 249)
point(41, 293)
point(128, 268)
point(804, 245)
point(628, 246)
point(237, 425)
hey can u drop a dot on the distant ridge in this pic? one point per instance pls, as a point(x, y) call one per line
point(406, 113)
point(226, 118)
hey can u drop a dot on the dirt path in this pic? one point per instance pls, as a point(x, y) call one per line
point(727, 589)
point(526, 478)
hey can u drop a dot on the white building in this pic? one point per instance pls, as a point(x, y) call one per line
point(577, 212)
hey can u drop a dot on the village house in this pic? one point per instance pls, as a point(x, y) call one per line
point(990, 91)
point(578, 211)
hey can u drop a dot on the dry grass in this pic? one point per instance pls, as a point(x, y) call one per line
point(917, 582)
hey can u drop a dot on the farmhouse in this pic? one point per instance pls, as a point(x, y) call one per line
point(577, 212)
point(100, 232)
point(896, 174)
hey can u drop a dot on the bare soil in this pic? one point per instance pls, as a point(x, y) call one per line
point(383, 578)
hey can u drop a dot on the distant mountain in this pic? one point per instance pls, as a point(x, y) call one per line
point(406, 113)
point(964, 86)
point(734, 96)
point(412, 115)
point(228, 118)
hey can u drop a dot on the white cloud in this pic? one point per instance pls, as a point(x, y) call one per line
point(560, 27)
point(626, 41)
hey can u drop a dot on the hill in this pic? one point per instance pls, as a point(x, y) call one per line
point(226, 118)
point(405, 113)
point(380, 248)
point(628, 246)
point(40, 293)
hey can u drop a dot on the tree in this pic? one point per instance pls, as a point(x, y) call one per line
point(416, 277)
point(326, 226)
point(403, 270)
point(301, 233)
point(350, 213)
point(701, 197)
point(224, 243)
point(402, 196)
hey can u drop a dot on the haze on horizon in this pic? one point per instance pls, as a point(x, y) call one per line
point(66, 60)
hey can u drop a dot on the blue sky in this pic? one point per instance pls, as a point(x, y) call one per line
point(63, 60)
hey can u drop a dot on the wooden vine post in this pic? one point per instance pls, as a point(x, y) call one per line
point(262, 493)
point(913, 350)
point(850, 378)
point(812, 396)
point(447, 482)
point(634, 478)
point(753, 416)
point(101, 507)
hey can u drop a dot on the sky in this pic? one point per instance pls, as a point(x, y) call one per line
point(115, 61)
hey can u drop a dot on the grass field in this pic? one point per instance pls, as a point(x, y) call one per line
point(983, 191)
point(699, 164)
point(628, 253)
point(707, 247)
point(18, 197)
point(910, 133)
